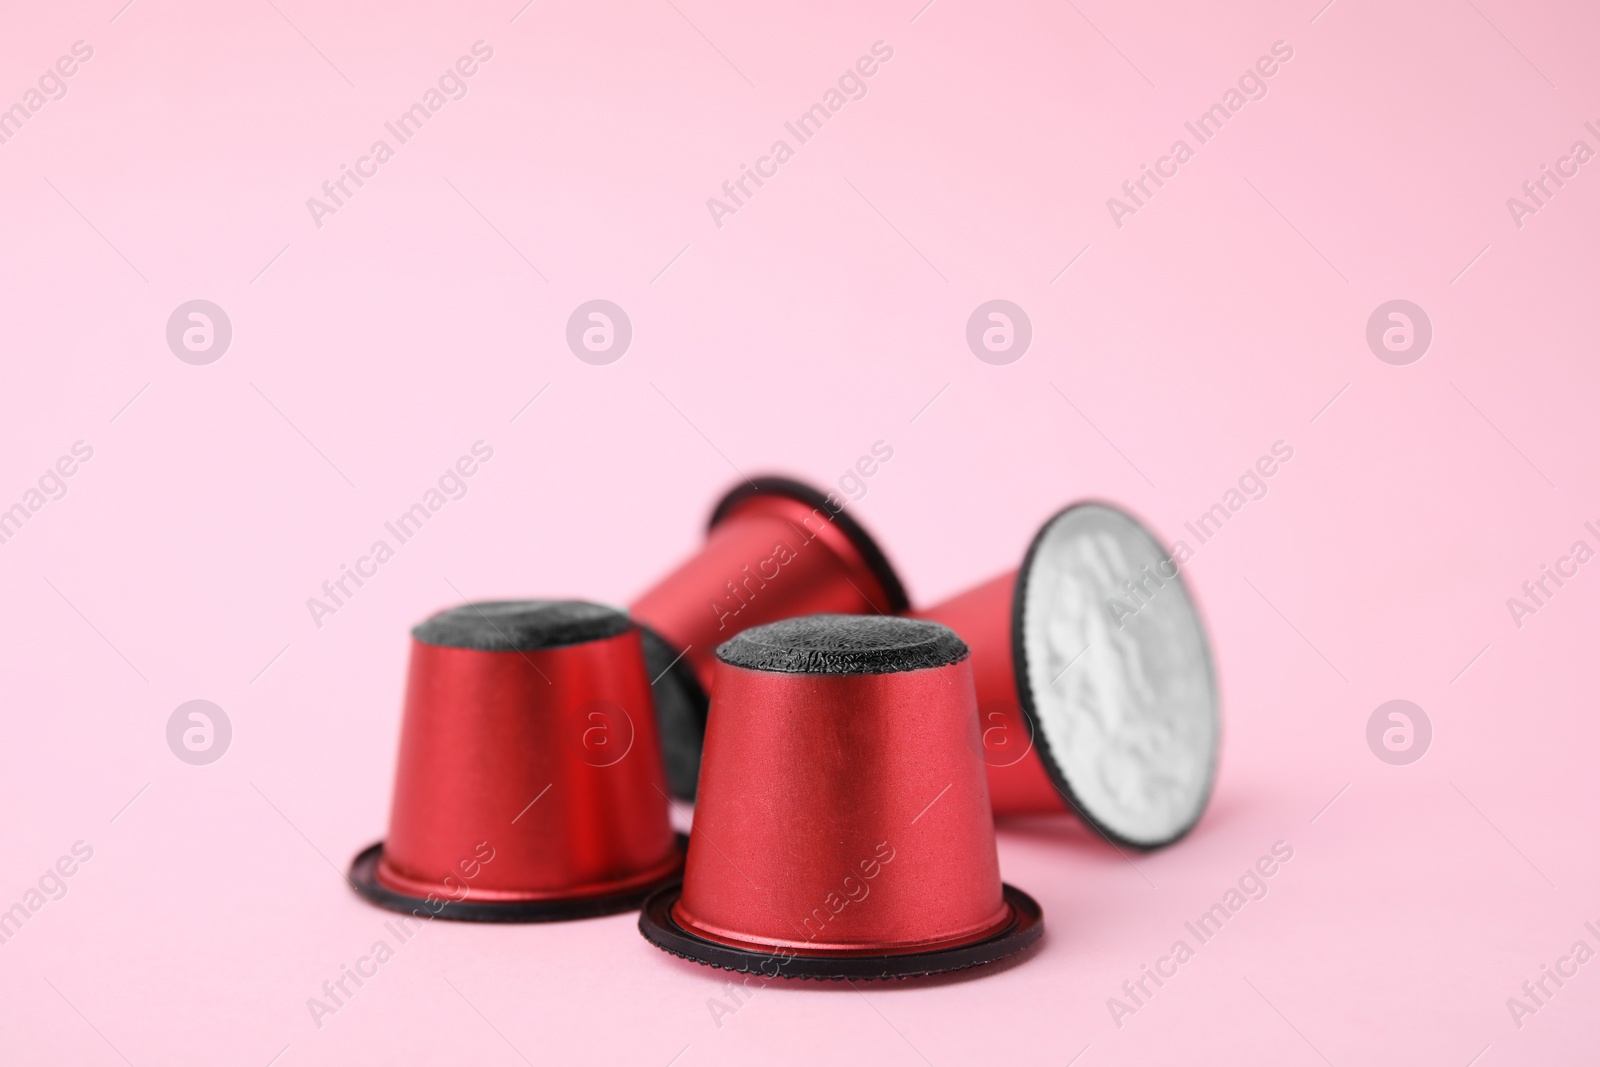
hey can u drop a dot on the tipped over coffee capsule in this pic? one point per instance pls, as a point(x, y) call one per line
point(843, 826)
point(1095, 684)
point(775, 549)
point(529, 785)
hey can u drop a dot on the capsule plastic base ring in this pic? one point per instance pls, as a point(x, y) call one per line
point(662, 930)
point(363, 879)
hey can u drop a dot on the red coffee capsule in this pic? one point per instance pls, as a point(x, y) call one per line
point(775, 549)
point(1094, 677)
point(843, 827)
point(529, 785)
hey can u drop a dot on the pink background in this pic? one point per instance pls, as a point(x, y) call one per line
point(822, 317)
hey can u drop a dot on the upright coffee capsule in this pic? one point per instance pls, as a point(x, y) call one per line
point(1094, 678)
point(775, 549)
point(843, 827)
point(529, 785)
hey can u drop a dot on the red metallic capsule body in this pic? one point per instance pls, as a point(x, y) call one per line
point(1094, 678)
point(1018, 782)
point(843, 828)
point(529, 783)
point(775, 549)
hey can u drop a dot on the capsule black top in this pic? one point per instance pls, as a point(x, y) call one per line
point(844, 644)
point(521, 625)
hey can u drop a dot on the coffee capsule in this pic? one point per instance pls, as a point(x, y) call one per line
point(529, 785)
point(1095, 683)
point(775, 549)
point(843, 827)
